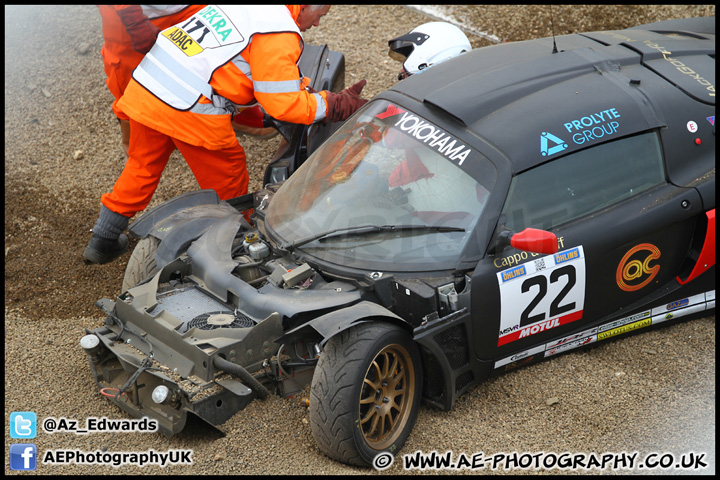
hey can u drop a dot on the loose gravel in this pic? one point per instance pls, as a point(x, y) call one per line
point(654, 392)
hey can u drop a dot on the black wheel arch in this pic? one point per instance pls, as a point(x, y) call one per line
point(182, 220)
point(448, 360)
point(324, 327)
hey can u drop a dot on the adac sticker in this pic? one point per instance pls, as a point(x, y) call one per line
point(183, 41)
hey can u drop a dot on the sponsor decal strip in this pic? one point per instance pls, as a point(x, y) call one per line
point(520, 356)
point(624, 321)
point(678, 308)
point(569, 346)
point(624, 329)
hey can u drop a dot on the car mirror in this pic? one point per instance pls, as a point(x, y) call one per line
point(535, 240)
point(530, 240)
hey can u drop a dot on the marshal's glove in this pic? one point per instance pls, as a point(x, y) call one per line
point(355, 90)
point(342, 105)
point(143, 33)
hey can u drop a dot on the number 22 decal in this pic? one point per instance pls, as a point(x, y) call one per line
point(541, 294)
point(555, 308)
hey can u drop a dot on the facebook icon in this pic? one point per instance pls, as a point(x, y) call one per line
point(23, 456)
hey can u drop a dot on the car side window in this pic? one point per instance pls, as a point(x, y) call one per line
point(584, 182)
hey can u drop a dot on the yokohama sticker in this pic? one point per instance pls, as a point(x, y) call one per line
point(433, 136)
point(541, 294)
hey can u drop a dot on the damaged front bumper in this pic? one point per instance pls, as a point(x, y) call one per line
point(168, 369)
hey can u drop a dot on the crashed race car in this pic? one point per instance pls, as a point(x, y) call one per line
point(511, 204)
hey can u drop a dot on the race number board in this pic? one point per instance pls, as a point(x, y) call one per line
point(541, 294)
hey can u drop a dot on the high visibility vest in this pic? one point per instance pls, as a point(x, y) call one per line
point(179, 67)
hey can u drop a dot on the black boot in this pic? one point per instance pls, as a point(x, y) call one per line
point(107, 242)
point(102, 250)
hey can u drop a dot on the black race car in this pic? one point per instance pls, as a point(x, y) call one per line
point(511, 204)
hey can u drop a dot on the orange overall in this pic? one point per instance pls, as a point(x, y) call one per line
point(119, 57)
point(208, 142)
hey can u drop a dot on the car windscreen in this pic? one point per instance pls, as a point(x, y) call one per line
point(384, 167)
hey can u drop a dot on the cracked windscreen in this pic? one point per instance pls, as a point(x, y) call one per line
point(385, 167)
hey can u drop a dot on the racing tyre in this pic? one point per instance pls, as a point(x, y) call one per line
point(365, 393)
point(142, 262)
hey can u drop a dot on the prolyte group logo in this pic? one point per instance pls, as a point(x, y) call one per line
point(550, 144)
point(583, 130)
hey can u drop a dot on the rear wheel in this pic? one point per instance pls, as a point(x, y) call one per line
point(365, 393)
point(142, 262)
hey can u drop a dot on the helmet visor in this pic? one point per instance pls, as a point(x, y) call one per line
point(401, 47)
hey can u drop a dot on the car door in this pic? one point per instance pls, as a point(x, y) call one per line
point(623, 232)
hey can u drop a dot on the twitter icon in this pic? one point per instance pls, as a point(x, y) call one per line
point(23, 425)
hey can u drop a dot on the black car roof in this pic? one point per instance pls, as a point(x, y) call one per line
point(529, 102)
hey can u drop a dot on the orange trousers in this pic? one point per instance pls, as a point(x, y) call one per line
point(224, 171)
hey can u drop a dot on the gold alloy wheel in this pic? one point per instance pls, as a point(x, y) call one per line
point(386, 397)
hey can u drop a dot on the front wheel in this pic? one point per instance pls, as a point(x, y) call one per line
point(365, 393)
point(142, 262)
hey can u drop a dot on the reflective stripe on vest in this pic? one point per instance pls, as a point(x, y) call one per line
point(243, 66)
point(180, 65)
point(284, 86)
point(320, 112)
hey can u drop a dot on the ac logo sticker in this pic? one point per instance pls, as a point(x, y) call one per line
point(634, 270)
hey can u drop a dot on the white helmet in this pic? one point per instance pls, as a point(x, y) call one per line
point(427, 45)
